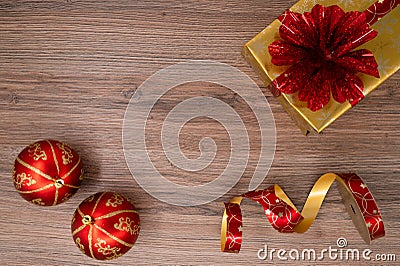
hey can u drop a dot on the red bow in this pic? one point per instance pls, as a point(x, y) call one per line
point(319, 47)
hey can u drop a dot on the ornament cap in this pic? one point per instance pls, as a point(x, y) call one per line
point(59, 183)
point(87, 220)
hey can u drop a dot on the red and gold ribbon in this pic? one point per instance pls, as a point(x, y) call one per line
point(285, 218)
point(379, 10)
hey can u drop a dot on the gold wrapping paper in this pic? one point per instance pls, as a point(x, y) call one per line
point(386, 48)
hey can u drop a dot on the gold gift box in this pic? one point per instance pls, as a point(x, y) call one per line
point(386, 49)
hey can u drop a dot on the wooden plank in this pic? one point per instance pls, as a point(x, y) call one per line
point(67, 71)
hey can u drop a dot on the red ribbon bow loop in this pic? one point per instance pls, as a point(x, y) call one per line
point(319, 47)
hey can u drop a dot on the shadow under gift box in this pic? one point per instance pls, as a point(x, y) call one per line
point(385, 47)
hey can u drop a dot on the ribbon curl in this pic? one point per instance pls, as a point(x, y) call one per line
point(285, 218)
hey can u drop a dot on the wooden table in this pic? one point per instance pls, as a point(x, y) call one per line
point(68, 70)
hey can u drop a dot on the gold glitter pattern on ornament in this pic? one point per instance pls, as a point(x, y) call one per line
point(55, 195)
point(66, 153)
point(126, 224)
point(107, 250)
point(115, 200)
point(97, 202)
point(90, 239)
point(108, 215)
point(37, 171)
point(112, 236)
point(54, 156)
point(73, 168)
point(66, 197)
point(73, 218)
point(38, 201)
point(80, 245)
point(35, 190)
point(90, 199)
point(36, 152)
point(81, 176)
point(23, 179)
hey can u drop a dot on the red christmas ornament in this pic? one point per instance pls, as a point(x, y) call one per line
point(319, 45)
point(47, 172)
point(105, 226)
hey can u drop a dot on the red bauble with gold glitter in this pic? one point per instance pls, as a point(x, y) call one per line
point(105, 226)
point(47, 172)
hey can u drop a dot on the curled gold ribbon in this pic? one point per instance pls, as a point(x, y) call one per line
point(285, 218)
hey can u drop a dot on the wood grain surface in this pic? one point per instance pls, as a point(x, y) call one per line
point(68, 70)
